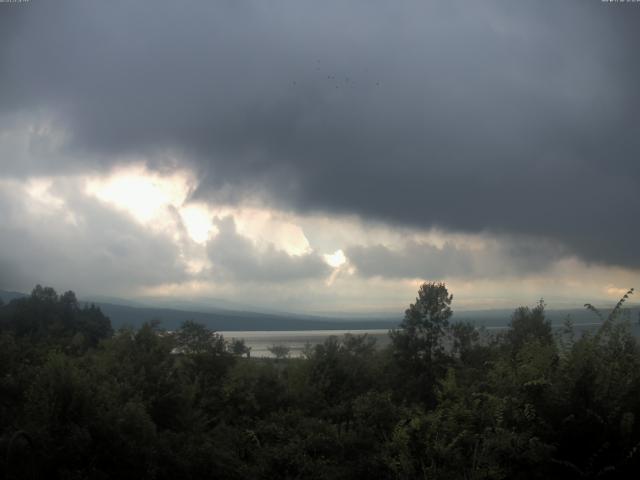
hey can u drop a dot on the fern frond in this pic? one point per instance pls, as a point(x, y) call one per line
point(593, 309)
point(618, 308)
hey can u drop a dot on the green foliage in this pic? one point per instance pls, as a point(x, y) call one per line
point(239, 348)
point(418, 346)
point(425, 322)
point(528, 324)
point(196, 339)
point(340, 370)
point(279, 351)
point(254, 389)
point(443, 401)
point(44, 317)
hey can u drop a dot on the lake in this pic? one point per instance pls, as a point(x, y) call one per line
point(296, 340)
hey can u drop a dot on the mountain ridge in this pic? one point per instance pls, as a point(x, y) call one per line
point(134, 314)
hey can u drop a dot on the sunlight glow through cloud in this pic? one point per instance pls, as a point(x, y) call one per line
point(159, 203)
point(197, 221)
point(335, 259)
point(153, 199)
point(143, 194)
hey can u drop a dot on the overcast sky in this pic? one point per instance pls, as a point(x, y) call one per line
point(321, 156)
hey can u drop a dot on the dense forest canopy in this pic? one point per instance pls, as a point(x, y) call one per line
point(444, 400)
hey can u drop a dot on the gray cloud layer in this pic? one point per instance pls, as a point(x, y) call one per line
point(236, 258)
point(96, 249)
point(507, 257)
point(516, 118)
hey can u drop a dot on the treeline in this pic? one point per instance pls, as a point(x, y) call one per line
point(442, 401)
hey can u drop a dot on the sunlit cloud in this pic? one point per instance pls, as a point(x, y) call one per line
point(335, 259)
point(198, 222)
point(615, 292)
point(143, 194)
point(280, 254)
point(39, 190)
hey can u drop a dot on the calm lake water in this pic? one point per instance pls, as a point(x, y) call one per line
point(296, 340)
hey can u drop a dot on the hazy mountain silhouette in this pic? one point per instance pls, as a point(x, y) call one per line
point(132, 313)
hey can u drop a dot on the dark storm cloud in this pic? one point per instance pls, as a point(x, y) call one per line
point(235, 257)
point(507, 257)
point(511, 118)
point(412, 261)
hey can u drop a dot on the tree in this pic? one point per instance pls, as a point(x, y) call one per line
point(45, 317)
point(425, 322)
point(417, 346)
point(195, 338)
point(280, 351)
point(239, 347)
point(529, 324)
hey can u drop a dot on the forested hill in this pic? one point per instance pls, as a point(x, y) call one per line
point(237, 320)
point(222, 319)
point(7, 296)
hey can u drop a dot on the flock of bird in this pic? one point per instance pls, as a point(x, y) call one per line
point(337, 80)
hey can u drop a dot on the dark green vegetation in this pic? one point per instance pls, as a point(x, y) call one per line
point(443, 401)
